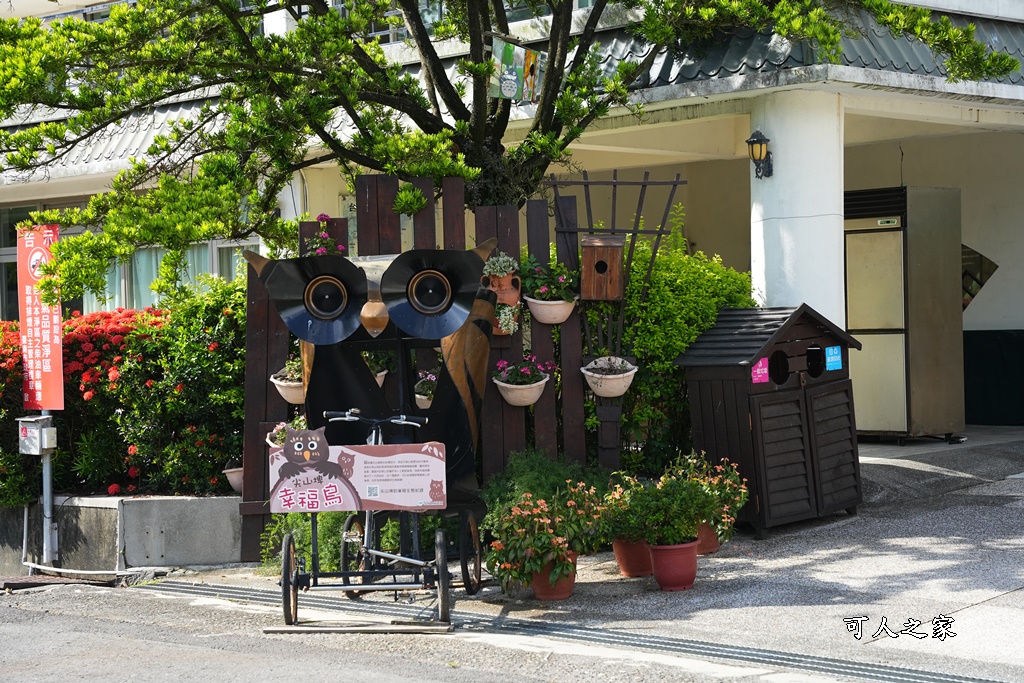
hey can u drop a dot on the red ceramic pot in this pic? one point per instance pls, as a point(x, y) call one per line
point(634, 557)
point(675, 566)
point(543, 589)
point(707, 538)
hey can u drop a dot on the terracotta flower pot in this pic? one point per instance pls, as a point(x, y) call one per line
point(707, 539)
point(508, 288)
point(542, 587)
point(675, 566)
point(634, 557)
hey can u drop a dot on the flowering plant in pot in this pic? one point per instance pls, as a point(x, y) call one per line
point(425, 387)
point(277, 435)
point(507, 318)
point(321, 243)
point(522, 383)
point(288, 380)
point(723, 481)
point(673, 509)
point(550, 293)
point(627, 525)
point(538, 541)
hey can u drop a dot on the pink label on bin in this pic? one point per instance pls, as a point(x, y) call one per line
point(759, 372)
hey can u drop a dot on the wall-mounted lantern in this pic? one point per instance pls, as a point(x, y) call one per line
point(757, 148)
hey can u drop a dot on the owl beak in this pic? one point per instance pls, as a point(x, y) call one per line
point(374, 316)
point(305, 454)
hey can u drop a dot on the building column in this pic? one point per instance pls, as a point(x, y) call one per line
point(796, 215)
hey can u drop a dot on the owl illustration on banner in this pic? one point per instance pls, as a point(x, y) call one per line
point(307, 449)
point(340, 307)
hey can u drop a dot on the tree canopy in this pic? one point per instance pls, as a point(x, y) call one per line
point(273, 104)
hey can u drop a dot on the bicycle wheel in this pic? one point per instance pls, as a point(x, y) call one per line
point(444, 598)
point(470, 552)
point(289, 581)
point(352, 558)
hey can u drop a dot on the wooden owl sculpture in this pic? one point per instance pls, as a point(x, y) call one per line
point(420, 299)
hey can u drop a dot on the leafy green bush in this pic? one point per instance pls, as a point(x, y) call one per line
point(153, 399)
point(682, 301)
point(329, 526)
point(182, 390)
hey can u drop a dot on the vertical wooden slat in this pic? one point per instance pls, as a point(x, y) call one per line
point(573, 431)
point(492, 447)
point(266, 347)
point(424, 228)
point(545, 419)
point(514, 417)
point(453, 192)
point(389, 223)
point(366, 215)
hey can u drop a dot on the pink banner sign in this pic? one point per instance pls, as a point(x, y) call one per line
point(759, 372)
point(41, 331)
point(407, 476)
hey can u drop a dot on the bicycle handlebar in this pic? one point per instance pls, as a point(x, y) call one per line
point(354, 415)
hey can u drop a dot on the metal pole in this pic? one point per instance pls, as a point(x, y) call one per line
point(49, 524)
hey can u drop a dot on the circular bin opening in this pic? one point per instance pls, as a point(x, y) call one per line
point(815, 361)
point(601, 267)
point(778, 367)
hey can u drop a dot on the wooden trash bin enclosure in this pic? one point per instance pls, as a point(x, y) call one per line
point(770, 389)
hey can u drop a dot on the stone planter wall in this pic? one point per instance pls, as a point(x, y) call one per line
point(156, 531)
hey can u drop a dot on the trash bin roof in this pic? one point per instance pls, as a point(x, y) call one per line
point(740, 335)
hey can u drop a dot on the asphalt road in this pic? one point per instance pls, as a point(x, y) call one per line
point(75, 633)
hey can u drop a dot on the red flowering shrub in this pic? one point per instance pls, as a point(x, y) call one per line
point(153, 399)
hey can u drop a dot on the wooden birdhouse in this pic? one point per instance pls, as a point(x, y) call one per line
point(601, 272)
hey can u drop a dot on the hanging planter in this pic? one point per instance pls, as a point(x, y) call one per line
point(234, 475)
point(550, 312)
point(609, 376)
point(423, 402)
point(521, 394)
point(290, 391)
point(500, 276)
point(380, 377)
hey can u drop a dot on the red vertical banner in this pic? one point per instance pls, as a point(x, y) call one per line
point(43, 386)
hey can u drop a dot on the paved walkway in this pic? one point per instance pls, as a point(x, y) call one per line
point(936, 550)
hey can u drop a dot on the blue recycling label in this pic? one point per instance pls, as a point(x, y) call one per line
point(833, 358)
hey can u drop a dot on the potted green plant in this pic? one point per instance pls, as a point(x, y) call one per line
point(522, 383)
point(380, 364)
point(724, 482)
point(499, 276)
point(609, 376)
point(672, 509)
point(626, 525)
point(538, 541)
point(425, 387)
point(276, 437)
point(550, 292)
point(288, 380)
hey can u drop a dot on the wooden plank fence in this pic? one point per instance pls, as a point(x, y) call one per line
point(555, 424)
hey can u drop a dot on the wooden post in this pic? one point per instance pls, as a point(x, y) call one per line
point(571, 340)
point(545, 419)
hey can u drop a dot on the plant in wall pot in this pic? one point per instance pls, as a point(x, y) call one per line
point(673, 509)
point(538, 541)
point(609, 376)
point(550, 293)
point(288, 380)
point(425, 387)
point(380, 364)
point(522, 383)
point(499, 276)
point(627, 525)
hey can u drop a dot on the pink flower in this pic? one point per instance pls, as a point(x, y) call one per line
point(322, 218)
point(324, 236)
point(321, 251)
point(132, 450)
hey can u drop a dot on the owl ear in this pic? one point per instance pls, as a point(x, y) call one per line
point(319, 298)
point(429, 293)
